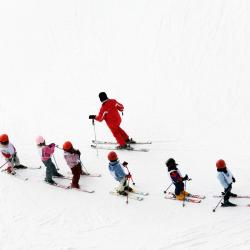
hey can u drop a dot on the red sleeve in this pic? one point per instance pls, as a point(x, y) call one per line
point(101, 114)
point(6, 155)
point(119, 106)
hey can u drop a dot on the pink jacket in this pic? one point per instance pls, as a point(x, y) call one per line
point(46, 151)
point(71, 159)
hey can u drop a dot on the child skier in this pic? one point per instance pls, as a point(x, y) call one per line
point(226, 179)
point(110, 113)
point(72, 157)
point(116, 170)
point(177, 179)
point(10, 155)
point(46, 151)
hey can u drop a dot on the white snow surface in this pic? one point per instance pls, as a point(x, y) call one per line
point(181, 69)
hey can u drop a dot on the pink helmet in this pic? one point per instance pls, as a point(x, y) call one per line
point(39, 140)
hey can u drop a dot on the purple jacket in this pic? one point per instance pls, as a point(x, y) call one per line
point(71, 159)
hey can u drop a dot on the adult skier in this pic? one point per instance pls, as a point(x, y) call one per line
point(46, 152)
point(10, 155)
point(226, 179)
point(109, 112)
point(118, 173)
point(177, 179)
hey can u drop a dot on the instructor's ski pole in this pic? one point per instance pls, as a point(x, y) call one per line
point(165, 191)
point(93, 123)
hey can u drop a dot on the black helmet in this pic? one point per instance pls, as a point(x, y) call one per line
point(171, 162)
point(103, 96)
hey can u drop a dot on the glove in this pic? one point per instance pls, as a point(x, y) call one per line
point(185, 178)
point(234, 179)
point(124, 163)
point(92, 117)
point(52, 145)
point(128, 176)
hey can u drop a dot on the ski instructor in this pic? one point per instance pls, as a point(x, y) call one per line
point(110, 113)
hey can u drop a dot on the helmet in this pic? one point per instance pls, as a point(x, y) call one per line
point(67, 146)
point(220, 164)
point(112, 156)
point(171, 162)
point(103, 96)
point(39, 140)
point(4, 138)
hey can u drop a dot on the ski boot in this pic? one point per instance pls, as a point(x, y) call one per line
point(122, 193)
point(228, 204)
point(129, 189)
point(20, 167)
point(51, 182)
point(130, 141)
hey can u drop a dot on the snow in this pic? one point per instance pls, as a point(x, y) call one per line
point(180, 68)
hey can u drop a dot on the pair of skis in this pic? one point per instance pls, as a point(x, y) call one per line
point(107, 145)
point(134, 195)
point(193, 198)
point(69, 188)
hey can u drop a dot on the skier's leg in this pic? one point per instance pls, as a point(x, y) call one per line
point(49, 170)
point(121, 186)
point(123, 134)
point(76, 171)
point(116, 133)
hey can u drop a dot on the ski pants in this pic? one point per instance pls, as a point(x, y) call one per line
point(179, 187)
point(50, 169)
point(119, 134)
point(227, 192)
point(76, 171)
point(122, 184)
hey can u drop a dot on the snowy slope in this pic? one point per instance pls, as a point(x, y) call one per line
point(180, 68)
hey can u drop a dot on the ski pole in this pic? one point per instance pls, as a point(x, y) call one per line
point(87, 172)
point(165, 191)
point(220, 201)
point(125, 164)
point(183, 204)
point(4, 164)
point(127, 192)
point(93, 123)
point(57, 168)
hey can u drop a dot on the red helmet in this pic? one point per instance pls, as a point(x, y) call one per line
point(4, 138)
point(67, 146)
point(220, 164)
point(112, 156)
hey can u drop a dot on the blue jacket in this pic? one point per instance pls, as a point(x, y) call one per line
point(116, 170)
point(225, 178)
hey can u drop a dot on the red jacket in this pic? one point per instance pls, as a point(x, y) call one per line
point(109, 112)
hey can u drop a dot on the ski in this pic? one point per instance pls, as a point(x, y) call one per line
point(16, 175)
point(133, 197)
point(88, 174)
point(115, 143)
point(32, 168)
point(139, 192)
point(192, 200)
point(125, 149)
point(238, 196)
point(196, 196)
point(69, 188)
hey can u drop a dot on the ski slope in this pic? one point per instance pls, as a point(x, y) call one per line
point(181, 69)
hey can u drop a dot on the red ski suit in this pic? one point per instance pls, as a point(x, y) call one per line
point(109, 113)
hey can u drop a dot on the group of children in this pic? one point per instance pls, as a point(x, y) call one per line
point(72, 158)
